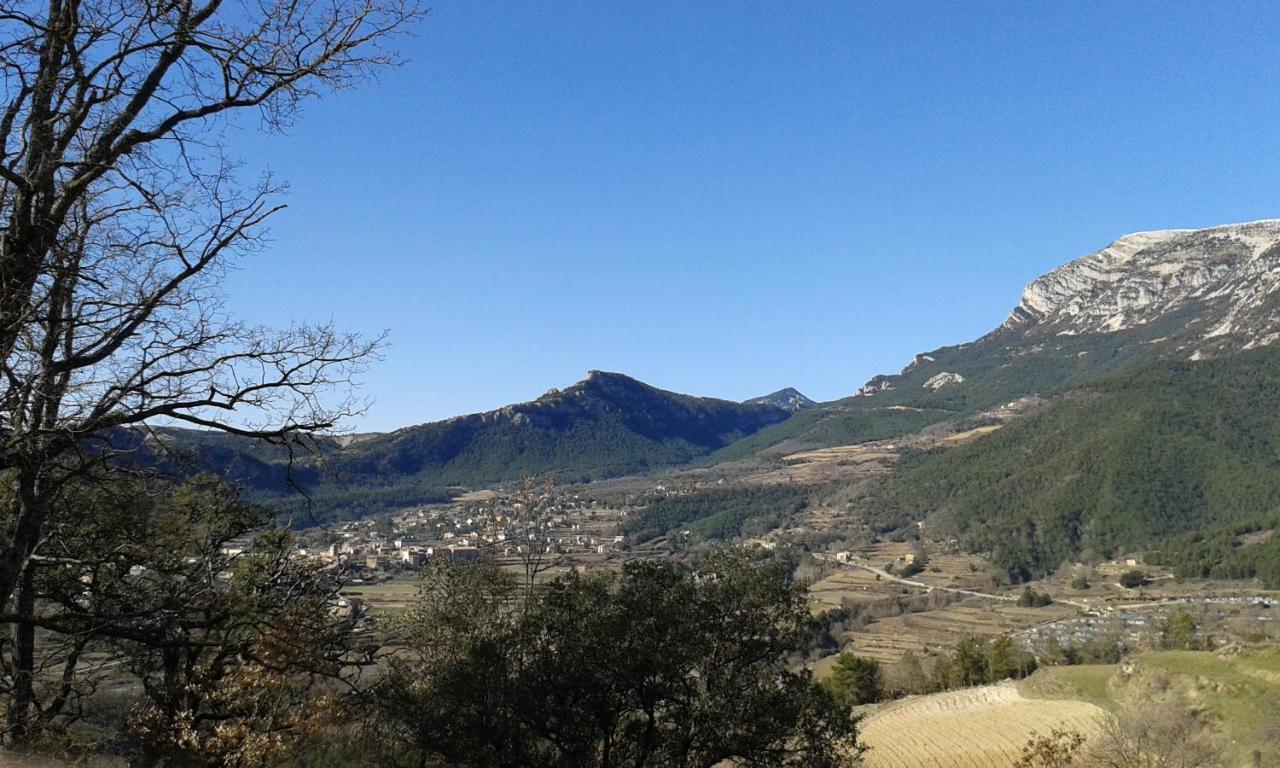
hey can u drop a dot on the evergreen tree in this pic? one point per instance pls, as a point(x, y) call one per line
point(856, 680)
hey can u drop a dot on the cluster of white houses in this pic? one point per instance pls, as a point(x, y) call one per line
point(498, 528)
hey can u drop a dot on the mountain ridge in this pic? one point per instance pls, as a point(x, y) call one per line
point(1141, 278)
point(605, 425)
point(1148, 296)
point(1187, 294)
point(1230, 269)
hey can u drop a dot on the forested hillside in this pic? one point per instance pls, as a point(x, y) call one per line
point(1245, 550)
point(609, 424)
point(605, 426)
point(1119, 465)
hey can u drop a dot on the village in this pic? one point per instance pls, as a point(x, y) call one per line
point(559, 532)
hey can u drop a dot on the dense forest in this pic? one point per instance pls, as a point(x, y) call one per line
point(1244, 550)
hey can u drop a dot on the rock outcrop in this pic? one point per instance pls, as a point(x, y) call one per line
point(944, 379)
point(876, 384)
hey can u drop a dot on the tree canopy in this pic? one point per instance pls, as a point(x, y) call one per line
point(648, 667)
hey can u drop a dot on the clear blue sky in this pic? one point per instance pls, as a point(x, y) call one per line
point(725, 199)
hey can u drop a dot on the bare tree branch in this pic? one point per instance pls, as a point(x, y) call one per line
point(120, 212)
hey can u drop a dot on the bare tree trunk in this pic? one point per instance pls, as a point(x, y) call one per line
point(25, 510)
point(24, 640)
point(119, 211)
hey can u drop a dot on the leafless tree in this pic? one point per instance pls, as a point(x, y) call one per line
point(1060, 749)
point(121, 209)
point(1164, 732)
point(531, 529)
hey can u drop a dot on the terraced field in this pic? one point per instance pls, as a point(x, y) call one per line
point(392, 595)
point(982, 727)
point(952, 571)
point(945, 569)
point(846, 454)
point(886, 640)
point(854, 585)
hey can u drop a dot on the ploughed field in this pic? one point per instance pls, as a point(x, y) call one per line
point(983, 727)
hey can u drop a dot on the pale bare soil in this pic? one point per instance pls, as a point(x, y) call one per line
point(850, 454)
point(828, 465)
point(472, 497)
point(971, 434)
point(984, 727)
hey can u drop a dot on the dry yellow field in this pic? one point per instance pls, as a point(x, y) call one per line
point(472, 497)
point(849, 454)
point(972, 434)
point(973, 728)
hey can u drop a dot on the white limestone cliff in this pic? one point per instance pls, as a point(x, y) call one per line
point(1217, 288)
point(1229, 271)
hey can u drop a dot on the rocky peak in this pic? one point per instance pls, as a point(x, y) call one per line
point(1229, 272)
point(879, 383)
point(1191, 293)
point(602, 376)
point(944, 379)
point(598, 382)
point(788, 399)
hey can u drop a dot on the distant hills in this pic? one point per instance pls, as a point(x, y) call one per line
point(604, 426)
point(1155, 355)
